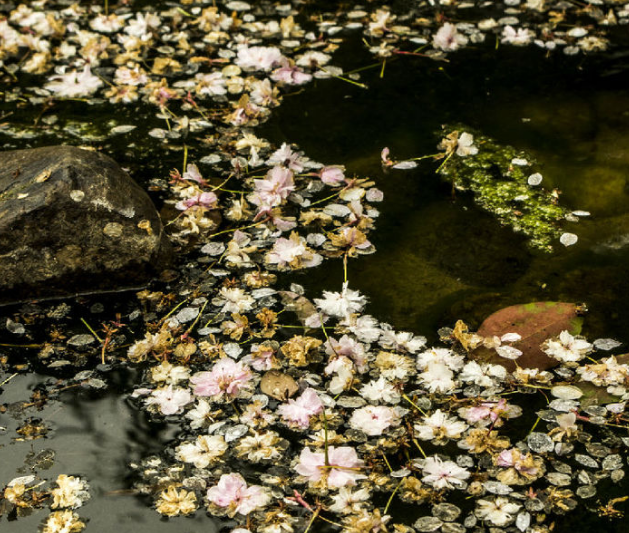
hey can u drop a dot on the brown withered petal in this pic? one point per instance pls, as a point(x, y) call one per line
point(278, 385)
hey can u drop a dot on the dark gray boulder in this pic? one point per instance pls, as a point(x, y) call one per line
point(72, 221)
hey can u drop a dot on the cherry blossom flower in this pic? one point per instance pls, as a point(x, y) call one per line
point(293, 252)
point(490, 413)
point(212, 84)
point(170, 400)
point(168, 373)
point(519, 37)
point(606, 372)
point(465, 145)
point(373, 420)
point(341, 304)
point(332, 176)
point(444, 474)
point(350, 348)
point(343, 370)
point(201, 415)
point(259, 57)
point(73, 84)
point(227, 378)
point(286, 157)
point(233, 300)
point(299, 411)
point(343, 467)
point(203, 199)
point(521, 468)
point(365, 327)
point(347, 501)
point(439, 427)
point(566, 348)
point(71, 492)
point(291, 75)
point(233, 494)
point(380, 390)
point(443, 356)
point(203, 452)
point(499, 511)
point(313, 59)
point(437, 378)
point(403, 341)
point(274, 189)
point(63, 521)
point(448, 38)
point(483, 375)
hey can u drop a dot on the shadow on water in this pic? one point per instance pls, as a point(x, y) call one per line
point(94, 435)
point(440, 258)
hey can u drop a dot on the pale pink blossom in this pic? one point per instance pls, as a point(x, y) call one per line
point(343, 369)
point(274, 188)
point(299, 411)
point(227, 378)
point(448, 38)
point(341, 304)
point(73, 84)
point(212, 84)
point(373, 420)
point(444, 474)
point(518, 37)
point(343, 466)
point(288, 158)
point(259, 57)
point(567, 348)
point(293, 252)
point(170, 400)
point(350, 348)
point(192, 173)
point(206, 200)
point(333, 175)
point(232, 493)
point(513, 458)
point(290, 75)
point(490, 412)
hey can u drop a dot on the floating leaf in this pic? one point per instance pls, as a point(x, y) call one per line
point(278, 385)
point(534, 322)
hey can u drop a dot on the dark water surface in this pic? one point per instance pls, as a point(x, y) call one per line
point(439, 259)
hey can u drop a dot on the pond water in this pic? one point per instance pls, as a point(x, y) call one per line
point(439, 257)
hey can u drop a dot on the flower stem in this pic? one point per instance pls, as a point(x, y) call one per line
point(91, 330)
point(386, 507)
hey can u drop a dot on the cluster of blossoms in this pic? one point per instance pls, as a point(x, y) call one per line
point(281, 428)
point(545, 24)
point(24, 493)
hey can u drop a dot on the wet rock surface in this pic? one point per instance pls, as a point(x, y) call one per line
point(72, 221)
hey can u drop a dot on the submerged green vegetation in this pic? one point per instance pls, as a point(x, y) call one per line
point(505, 182)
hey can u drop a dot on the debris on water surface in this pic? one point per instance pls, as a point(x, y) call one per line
point(369, 409)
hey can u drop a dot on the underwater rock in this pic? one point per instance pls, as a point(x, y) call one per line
point(72, 221)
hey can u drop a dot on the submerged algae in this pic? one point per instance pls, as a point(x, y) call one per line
point(499, 177)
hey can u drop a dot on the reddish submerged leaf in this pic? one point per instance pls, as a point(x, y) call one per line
point(534, 322)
